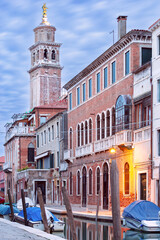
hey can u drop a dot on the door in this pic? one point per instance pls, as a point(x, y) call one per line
point(84, 187)
point(105, 186)
point(143, 186)
point(42, 185)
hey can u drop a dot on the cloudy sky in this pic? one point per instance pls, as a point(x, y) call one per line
point(83, 27)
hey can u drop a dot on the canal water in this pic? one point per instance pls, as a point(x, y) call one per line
point(86, 230)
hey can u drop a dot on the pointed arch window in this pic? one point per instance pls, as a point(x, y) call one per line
point(126, 178)
point(108, 123)
point(86, 132)
point(45, 53)
point(70, 138)
point(82, 134)
point(90, 181)
point(53, 55)
point(78, 182)
point(98, 180)
point(78, 133)
point(113, 121)
point(98, 127)
point(90, 130)
point(103, 125)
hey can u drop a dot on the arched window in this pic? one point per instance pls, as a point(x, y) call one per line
point(82, 134)
point(78, 132)
point(37, 55)
point(123, 112)
point(86, 132)
point(78, 182)
point(108, 123)
point(45, 53)
point(53, 55)
point(126, 178)
point(70, 138)
point(113, 121)
point(98, 180)
point(70, 183)
point(90, 181)
point(33, 58)
point(90, 130)
point(98, 127)
point(103, 125)
point(31, 152)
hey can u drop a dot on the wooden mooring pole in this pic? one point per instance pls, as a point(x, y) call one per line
point(43, 213)
point(114, 177)
point(69, 213)
point(24, 208)
point(11, 206)
point(98, 200)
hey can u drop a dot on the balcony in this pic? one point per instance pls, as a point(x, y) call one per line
point(142, 134)
point(68, 155)
point(16, 130)
point(7, 168)
point(124, 138)
point(104, 144)
point(84, 150)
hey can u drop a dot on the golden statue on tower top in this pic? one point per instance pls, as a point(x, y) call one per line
point(44, 10)
point(44, 19)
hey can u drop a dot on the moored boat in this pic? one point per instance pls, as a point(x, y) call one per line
point(142, 216)
point(5, 211)
point(35, 219)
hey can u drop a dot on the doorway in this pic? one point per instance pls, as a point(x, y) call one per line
point(42, 185)
point(105, 186)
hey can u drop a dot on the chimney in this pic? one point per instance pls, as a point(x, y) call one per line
point(121, 26)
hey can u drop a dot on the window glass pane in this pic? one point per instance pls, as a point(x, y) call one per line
point(90, 88)
point(98, 82)
point(78, 96)
point(70, 101)
point(146, 55)
point(127, 63)
point(105, 77)
point(84, 92)
point(113, 72)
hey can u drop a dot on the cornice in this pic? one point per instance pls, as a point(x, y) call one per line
point(39, 43)
point(44, 65)
point(133, 35)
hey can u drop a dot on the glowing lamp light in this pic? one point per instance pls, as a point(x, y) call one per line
point(112, 150)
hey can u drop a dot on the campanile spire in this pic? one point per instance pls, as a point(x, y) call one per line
point(44, 18)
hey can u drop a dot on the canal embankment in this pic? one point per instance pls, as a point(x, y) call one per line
point(12, 230)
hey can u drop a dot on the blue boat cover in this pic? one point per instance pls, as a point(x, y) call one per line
point(34, 214)
point(141, 210)
point(5, 209)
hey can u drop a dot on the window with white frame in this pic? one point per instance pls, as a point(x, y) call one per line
point(52, 132)
point(70, 183)
point(37, 141)
point(78, 96)
point(90, 87)
point(90, 181)
point(127, 63)
point(98, 180)
point(113, 72)
point(57, 129)
point(49, 134)
point(105, 77)
point(146, 55)
point(159, 45)
point(78, 182)
point(126, 178)
point(70, 101)
point(44, 136)
point(98, 82)
point(158, 90)
point(41, 138)
point(84, 92)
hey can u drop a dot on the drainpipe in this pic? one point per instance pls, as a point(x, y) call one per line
point(151, 122)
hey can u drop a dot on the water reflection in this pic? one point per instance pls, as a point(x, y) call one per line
point(86, 230)
point(133, 235)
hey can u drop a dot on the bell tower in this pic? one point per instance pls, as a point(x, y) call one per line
point(45, 71)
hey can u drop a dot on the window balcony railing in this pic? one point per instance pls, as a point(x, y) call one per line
point(18, 131)
point(104, 144)
point(84, 150)
point(124, 137)
point(142, 134)
point(7, 167)
point(68, 155)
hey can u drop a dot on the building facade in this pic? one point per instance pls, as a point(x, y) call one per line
point(100, 117)
point(2, 177)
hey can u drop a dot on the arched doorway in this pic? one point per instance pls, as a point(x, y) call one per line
point(84, 187)
point(105, 186)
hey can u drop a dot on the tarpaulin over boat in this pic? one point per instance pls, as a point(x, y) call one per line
point(34, 214)
point(141, 210)
point(5, 209)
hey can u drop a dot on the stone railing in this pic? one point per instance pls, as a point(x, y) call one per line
point(104, 144)
point(142, 134)
point(84, 150)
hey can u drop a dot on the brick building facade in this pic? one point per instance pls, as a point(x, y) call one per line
point(100, 117)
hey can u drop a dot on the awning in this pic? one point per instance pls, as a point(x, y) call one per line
point(42, 155)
